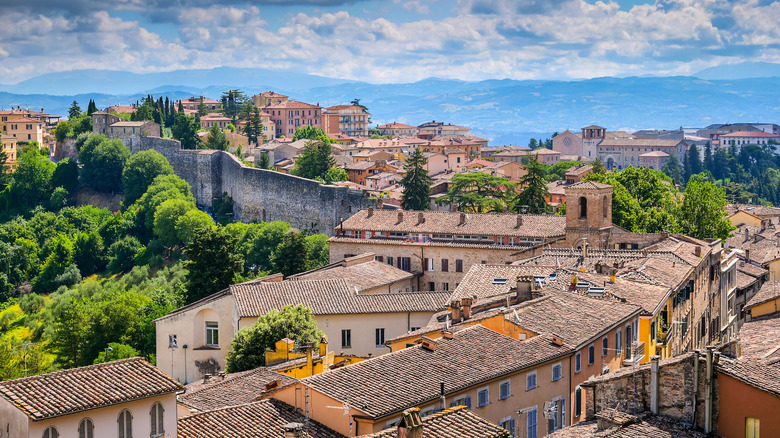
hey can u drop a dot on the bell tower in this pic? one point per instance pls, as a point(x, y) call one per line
point(588, 214)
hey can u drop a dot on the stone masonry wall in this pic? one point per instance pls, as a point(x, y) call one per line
point(258, 194)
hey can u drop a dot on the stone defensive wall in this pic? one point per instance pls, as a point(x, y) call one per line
point(259, 194)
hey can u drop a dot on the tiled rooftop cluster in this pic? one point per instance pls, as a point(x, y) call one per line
point(454, 422)
point(233, 389)
point(80, 389)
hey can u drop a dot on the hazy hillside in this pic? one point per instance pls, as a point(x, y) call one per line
point(504, 111)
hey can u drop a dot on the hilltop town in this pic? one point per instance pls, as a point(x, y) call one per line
point(265, 267)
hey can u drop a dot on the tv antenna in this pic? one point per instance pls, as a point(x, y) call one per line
point(345, 407)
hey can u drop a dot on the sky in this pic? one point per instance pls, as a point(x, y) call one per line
point(389, 41)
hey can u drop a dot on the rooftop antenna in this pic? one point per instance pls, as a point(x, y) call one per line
point(345, 407)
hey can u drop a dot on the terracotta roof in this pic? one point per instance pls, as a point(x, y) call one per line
point(513, 153)
point(129, 124)
point(236, 388)
point(594, 127)
point(387, 384)
point(122, 108)
point(395, 126)
point(751, 269)
point(486, 281)
point(655, 154)
point(364, 276)
point(292, 104)
point(24, 120)
point(215, 116)
point(768, 292)
point(639, 142)
point(579, 170)
point(440, 222)
point(454, 422)
point(80, 389)
point(557, 187)
point(757, 373)
point(577, 319)
point(329, 297)
point(360, 165)
point(261, 419)
point(756, 210)
point(764, 247)
point(644, 425)
point(590, 185)
point(455, 244)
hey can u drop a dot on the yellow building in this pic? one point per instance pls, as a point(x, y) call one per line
point(766, 301)
point(9, 147)
point(24, 129)
point(743, 217)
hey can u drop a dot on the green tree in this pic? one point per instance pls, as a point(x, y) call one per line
point(121, 254)
point(185, 129)
point(673, 169)
point(533, 144)
point(314, 160)
point(310, 133)
point(335, 174)
point(317, 253)
point(598, 166)
point(60, 256)
point(232, 103)
point(247, 351)
point(708, 163)
point(5, 176)
point(58, 199)
point(74, 110)
point(91, 107)
point(69, 331)
point(290, 257)
point(66, 175)
point(89, 252)
point(479, 192)
point(534, 186)
point(702, 214)
point(213, 263)
point(115, 351)
point(264, 162)
point(192, 221)
point(143, 112)
point(32, 179)
point(254, 125)
point(692, 161)
point(103, 165)
point(165, 217)
point(216, 139)
point(259, 242)
point(416, 183)
point(202, 108)
point(139, 172)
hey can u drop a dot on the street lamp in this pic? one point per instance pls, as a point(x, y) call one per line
point(108, 350)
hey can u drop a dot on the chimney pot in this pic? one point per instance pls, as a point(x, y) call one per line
point(370, 211)
point(466, 302)
point(420, 218)
point(519, 221)
point(747, 254)
point(400, 216)
point(462, 219)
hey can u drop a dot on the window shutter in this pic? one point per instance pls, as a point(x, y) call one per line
point(512, 426)
point(82, 432)
point(468, 402)
point(153, 415)
point(452, 404)
point(160, 419)
point(577, 402)
point(121, 422)
point(425, 264)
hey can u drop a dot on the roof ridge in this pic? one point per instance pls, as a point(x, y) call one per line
point(77, 369)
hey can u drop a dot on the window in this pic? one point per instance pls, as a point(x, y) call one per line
point(591, 355)
point(483, 396)
point(605, 346)
point(125, 423)
point(530, 381)
point(556, 372)
point(173, 341)
point(445, 286)
point(503, 390)
point(583, 207)
point(428, 264)
point(458, 265)
point(462, 401)
point(445, 265)
point(557, 415)
point(508, 424)
point(431, 286)
point(389, 260)
point(751, 427)
point(405, 263)
point(346, 338)
point(86, 429)
point(577, 362)
point(51, 432)
point(157, 420)
point(380, 337)
point(618, 342)
point(577, 402)
point(212, 333)
point(531, 423)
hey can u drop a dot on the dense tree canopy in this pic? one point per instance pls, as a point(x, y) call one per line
point(103, 163)
point(214, 263)
point(139, 172)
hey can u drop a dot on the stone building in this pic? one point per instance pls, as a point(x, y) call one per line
point(268, 98)
point(568, 143)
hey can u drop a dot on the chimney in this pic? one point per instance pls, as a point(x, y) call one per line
point(370, 211)
point(400, 216)
point(747, 234)
point(584, 250)
point(747, 255)
point(310, 358)
point(519, 221)
point(441, 396)
point(466, 307)
point(410, 425)
point(697, 251)
point(206, 377)
point(294, 430)
point(557, 340)
point(446, 334)
point(462, 219)
point(455, 311)
point(420, 218)
point(654, 386)
point(323, 346)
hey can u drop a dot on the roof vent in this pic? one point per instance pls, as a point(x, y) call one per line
point(500, 280)
point(557, 340)
point(428, 344)
point(552, 276)
point(370, 211)
point(583, 285)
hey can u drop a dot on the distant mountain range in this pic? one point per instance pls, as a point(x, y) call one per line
point(504, 111)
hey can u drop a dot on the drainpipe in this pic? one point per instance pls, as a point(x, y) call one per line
point(695, 384)
point(708, 394)
point(441, 398)
point(654, 384)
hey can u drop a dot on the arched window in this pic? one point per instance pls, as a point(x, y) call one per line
point(51, 432)
point(125, 423)
point(86, 429)
point(156, 414)
point(583, 207)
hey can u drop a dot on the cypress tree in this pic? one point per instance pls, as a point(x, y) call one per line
point(416, 184)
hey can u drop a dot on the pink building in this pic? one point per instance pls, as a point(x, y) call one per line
point(291, 114)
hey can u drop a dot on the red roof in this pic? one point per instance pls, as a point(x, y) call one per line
point(292, 104)
point(24, 120)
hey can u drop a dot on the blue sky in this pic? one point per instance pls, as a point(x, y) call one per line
point(390, 40)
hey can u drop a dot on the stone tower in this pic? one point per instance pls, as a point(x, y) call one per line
point(591, 137)
point(588, 214)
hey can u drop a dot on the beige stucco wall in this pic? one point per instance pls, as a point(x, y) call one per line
point(190, 328)
point(470, 256)
point(105, 419)
point(12, 420)
point(363, 329)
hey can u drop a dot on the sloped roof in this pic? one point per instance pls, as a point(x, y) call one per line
point(441, 222)
point(639, 142)
point(644, 425)
point(590, 185)
point(364, 276)
point(236, 388)
point(769, 291)
point(261, 419)
point(329, 297)
point(387, 384)
point(454, 422)
point(480, 281)
point(759, 364)
point(80, 389)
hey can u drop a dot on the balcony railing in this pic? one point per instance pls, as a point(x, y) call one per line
point(637, 353)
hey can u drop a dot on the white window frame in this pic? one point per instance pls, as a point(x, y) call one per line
point(211, 333)
point(349, 335)
point(528, 387)
point(157, 418)
point(379, 335)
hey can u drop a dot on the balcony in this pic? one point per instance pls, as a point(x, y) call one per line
point(637, 354)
